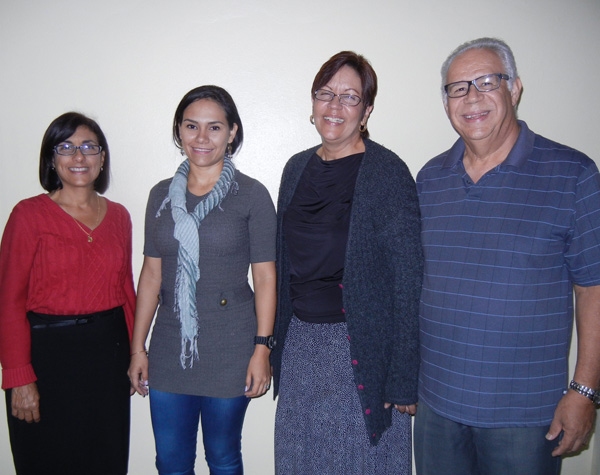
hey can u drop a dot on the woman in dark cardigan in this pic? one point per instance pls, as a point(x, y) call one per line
point(349, 268)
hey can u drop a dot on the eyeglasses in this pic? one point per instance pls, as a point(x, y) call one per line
point(346, 99)
point(487, 83)
point(70, 149)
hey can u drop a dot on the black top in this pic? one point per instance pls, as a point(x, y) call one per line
point(316, 228)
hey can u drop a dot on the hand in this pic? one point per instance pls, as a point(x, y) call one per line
point(408, 409)
point(258, 377)
point(138, 374)
point(574, 416)
point(25, 403)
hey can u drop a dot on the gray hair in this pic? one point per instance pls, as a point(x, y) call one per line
point(495, 45)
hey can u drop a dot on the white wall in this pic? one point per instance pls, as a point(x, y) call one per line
point(127, 63)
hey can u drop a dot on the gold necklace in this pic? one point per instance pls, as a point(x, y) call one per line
point(89, 235)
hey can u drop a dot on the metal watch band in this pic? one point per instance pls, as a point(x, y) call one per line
point(591, 394)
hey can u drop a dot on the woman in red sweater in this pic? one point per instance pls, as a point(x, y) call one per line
point(68, 299)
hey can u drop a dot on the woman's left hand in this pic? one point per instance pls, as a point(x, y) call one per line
point(258, 377)
point(408, 409)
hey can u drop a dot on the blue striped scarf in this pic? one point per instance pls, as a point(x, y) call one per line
point(186, 232)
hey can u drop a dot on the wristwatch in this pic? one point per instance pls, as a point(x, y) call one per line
point(265, 340)
point(591, 394)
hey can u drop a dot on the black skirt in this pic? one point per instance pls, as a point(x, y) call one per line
point(81, 364)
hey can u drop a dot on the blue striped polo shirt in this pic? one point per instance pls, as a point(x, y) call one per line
point(501, 258)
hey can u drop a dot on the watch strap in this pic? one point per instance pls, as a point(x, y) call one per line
point(264, 340)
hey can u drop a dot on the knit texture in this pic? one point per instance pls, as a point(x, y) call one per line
point(47, 265)
point(382, 282)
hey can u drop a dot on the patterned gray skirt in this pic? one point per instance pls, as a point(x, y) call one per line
point(319, 426)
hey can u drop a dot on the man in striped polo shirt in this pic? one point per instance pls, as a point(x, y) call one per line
point(510, 228)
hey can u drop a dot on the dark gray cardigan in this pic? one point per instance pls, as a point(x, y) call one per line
point(381, 286)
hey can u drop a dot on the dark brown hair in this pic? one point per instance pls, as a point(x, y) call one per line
point(362, 67)
point(60, 130)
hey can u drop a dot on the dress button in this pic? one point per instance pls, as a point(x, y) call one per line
point(223, 302)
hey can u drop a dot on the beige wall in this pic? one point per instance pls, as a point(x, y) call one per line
point(127, 64)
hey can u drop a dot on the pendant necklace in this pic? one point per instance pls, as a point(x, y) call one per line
point(89, 235)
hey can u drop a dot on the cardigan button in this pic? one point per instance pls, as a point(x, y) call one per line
point(354, 362)
point(368, 411)
point(341, 286)
point(360, 386)
point(343, 310)
point(223, 302)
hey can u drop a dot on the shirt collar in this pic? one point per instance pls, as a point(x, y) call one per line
point(516, 158)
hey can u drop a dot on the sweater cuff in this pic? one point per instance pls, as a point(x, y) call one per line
point(14, 377)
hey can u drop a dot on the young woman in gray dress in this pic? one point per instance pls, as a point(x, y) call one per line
point(209, 352)
point(349, 270)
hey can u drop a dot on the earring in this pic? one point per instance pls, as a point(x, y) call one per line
point(228, 152)
point(362, 128)
point(181, 152)
point(312, 119)
point(101, 169)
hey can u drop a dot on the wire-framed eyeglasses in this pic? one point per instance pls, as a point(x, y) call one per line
point(346, 99)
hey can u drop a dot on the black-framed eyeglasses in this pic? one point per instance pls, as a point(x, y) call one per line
point(70, 149)
point(487, 83)
point(346, 99)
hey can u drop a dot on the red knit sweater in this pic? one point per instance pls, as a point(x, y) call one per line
point(48, 266)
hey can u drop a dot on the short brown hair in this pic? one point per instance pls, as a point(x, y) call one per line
point(363, 68)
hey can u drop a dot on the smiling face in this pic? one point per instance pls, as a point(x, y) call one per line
point(205, 133)
point(482, 116)
point(79, 170)
point(338, 124)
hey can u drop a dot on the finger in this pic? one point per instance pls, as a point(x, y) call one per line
point(28, 416)
point(564, 447)
point(554, 431)
point(142, 387)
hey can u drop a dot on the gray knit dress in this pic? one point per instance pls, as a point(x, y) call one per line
point(239, 232)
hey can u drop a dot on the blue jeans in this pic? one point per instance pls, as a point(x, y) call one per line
point(443, 447)
point(175, 419)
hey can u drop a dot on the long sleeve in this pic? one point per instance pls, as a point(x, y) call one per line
point(17, 254)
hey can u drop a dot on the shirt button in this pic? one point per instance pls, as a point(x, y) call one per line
point(223, 302)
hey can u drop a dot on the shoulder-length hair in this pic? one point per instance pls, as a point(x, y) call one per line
point(60, 130)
